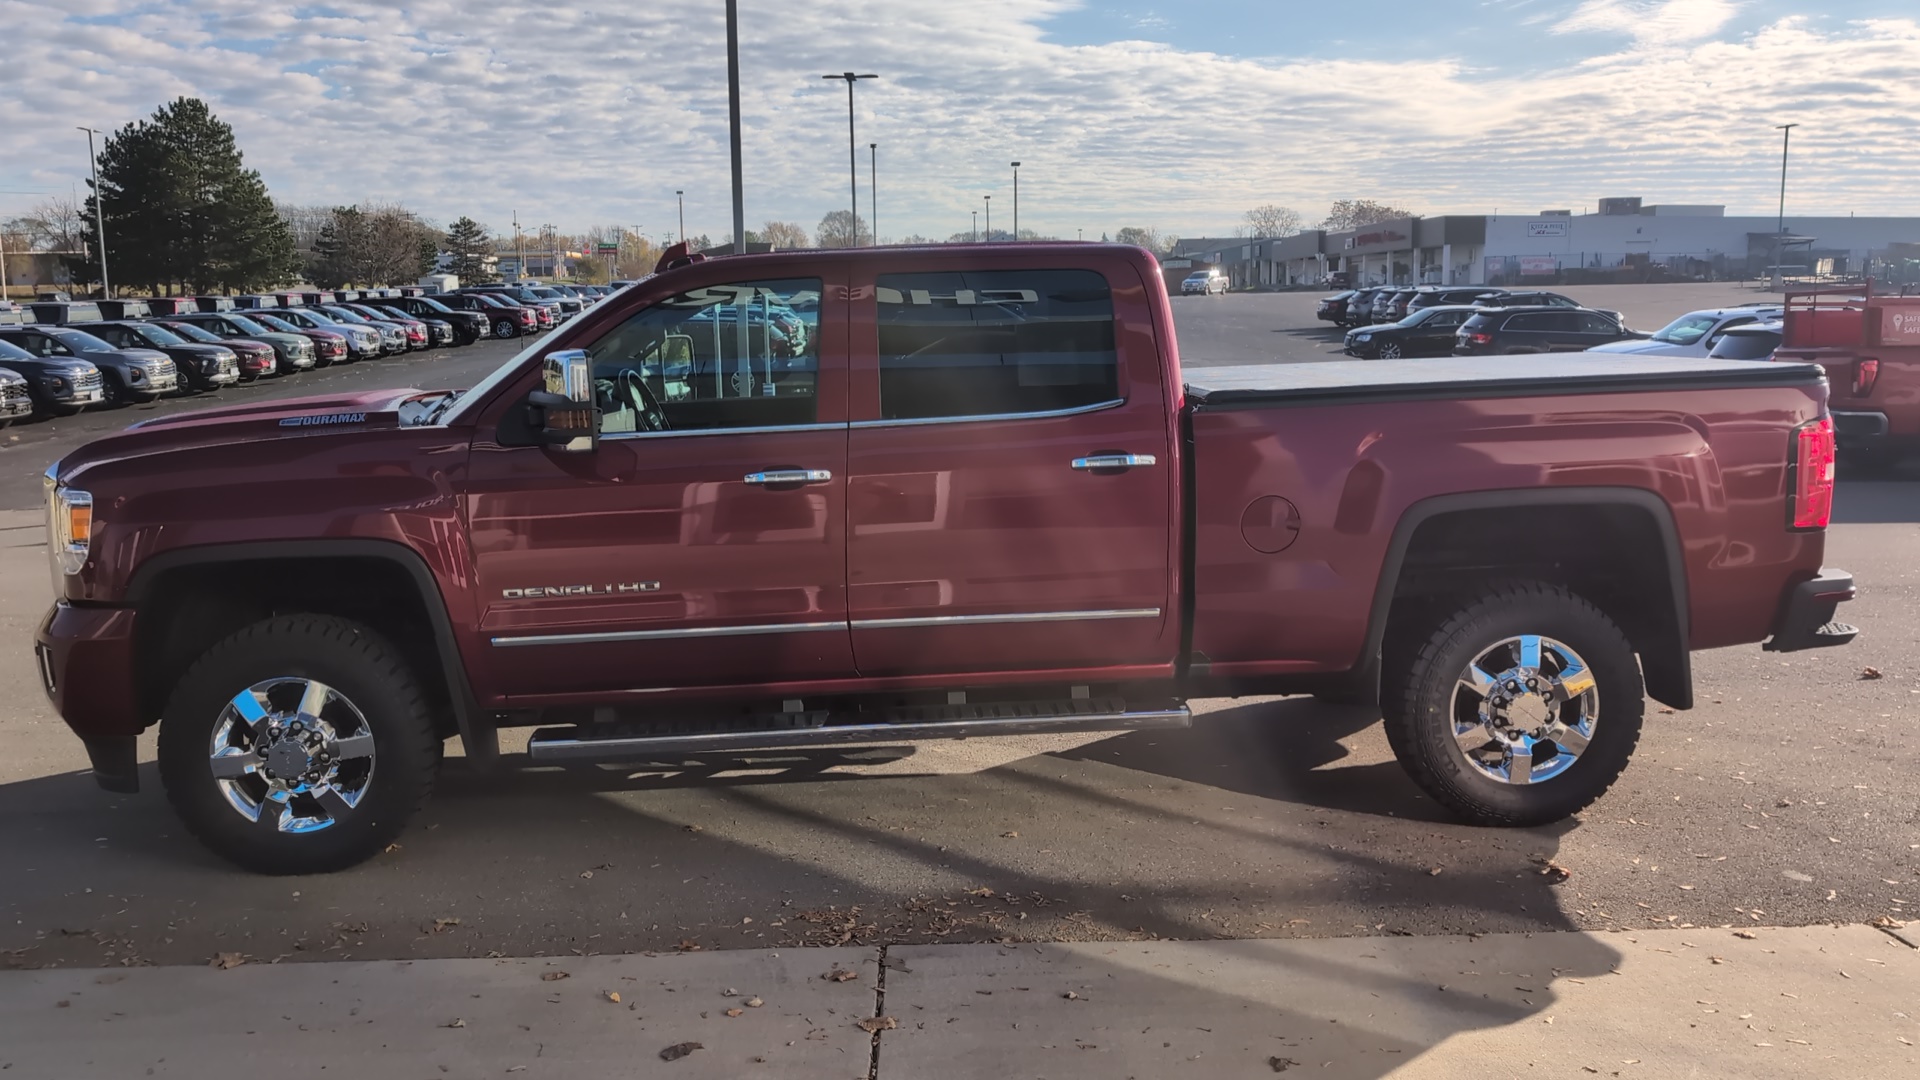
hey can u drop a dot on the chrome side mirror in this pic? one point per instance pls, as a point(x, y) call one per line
point(566, 412)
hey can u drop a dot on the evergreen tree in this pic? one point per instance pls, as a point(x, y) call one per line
point(470, 248)
point(182, 208)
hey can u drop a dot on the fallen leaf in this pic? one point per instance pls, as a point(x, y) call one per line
point(1280, 1064)
point(695, 828)
point(588, 874)
point(227, 960)
point(554, 976)
point(754, 1003)
point(736, 1012)
point(1870, 673)
point(457, 1022)
point(391, 848)
point(1552, 871)
point(613, 996)
point(1010, 834)
point(1435, 872)
point(873, 1025)
point(679, 1050)
point(1748, 934)
point(442, 924)
point(688, 945)
point(1071, 996)
point(840, 975)
point(981, 891)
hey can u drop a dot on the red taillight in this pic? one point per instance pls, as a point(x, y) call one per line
point(1813, 453)
point(1480, 339)
point(1865, 373)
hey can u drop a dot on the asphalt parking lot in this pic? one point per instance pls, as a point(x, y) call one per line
point(1786, 798)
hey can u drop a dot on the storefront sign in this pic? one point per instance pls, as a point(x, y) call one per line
point(1539, 229)
point(1534, 265)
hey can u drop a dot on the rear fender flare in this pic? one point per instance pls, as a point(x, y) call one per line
point(1668, 669)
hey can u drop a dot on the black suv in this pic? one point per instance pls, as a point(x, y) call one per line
point(1537, 329)
point(1448, 296)
point(468, 326)
point(129, 375)
point(203, 367)
point(1427, 332)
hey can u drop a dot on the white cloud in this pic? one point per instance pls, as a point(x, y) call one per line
point(595, 111)
point(1651, 22)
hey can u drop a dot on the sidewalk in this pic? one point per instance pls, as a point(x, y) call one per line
point(1788, 1003)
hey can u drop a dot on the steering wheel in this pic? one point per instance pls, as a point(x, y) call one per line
point(645, 405)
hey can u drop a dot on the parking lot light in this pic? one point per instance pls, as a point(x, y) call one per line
point(100, 221)
point(853, 161)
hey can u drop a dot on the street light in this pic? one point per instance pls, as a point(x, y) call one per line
point(976, 226)
point(100, 220)
point(873, 189)
point(682, 196)
point(1016, 202)
point(989, 219)
point(1780, 238)
point(733, 126)
point(853, 167)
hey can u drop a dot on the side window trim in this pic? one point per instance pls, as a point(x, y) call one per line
point(987, 418)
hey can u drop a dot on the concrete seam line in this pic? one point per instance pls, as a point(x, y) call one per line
point(879, 1010)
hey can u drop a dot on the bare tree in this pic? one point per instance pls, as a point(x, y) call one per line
point(843, 229)
point(1151, 239)
point(55, 224)
point(784, 235)
point(1359, 213)
point(1269, 221)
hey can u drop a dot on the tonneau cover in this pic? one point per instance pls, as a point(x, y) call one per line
point(1479, 376)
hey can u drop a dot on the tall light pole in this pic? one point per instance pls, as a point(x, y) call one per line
point(1780, 238)
point(976, 226)
point(873, 189)
point(551, 234)
point(682, 196)
point(733, 126)
point(1016, 202)
point(989, 219)
point(100, 219)
point(853, 162)
point(520, 243)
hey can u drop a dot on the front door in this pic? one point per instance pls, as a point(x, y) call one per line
point(1011, 473)
point(702, 542)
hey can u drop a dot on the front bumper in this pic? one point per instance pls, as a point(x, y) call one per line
point(85, 659)
point(1806, 615)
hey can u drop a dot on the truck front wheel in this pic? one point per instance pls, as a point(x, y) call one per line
point(302, 744)
point(1521, 708)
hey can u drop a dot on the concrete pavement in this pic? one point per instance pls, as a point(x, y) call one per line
point(1811, 1002)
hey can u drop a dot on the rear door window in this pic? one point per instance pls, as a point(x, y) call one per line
point(994, 343)
point(1538, 322)
point(1590, 323)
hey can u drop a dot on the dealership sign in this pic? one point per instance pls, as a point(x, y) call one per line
point(1539, 229)
point(1533, 265)
point(1900, 326)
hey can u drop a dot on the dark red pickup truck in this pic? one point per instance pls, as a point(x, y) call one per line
point(1869, 344)
point(825, 497)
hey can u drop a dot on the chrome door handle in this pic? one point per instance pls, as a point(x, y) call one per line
point(789, 476)
point(1114, 461)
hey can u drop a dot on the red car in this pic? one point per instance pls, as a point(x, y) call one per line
point(257, 358)
point(329, 348)
point(1869, 344)
point(981, 497)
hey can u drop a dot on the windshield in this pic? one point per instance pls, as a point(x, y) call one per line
point(156, 335)
point(1686, 329)
point(432, 305)
point(74, 339)
point(246, 325)
point(1746, 345)
point(192, 333)
point(10, 351)
point(275, 322)
point(344, 315)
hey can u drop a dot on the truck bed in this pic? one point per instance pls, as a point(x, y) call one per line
point(1476, 376)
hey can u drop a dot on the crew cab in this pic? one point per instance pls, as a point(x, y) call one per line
point(1869, 344)
point(962, 491)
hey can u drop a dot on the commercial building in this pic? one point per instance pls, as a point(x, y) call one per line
point(1624, 240)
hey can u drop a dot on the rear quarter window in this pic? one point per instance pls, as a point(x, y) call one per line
point(956, 344)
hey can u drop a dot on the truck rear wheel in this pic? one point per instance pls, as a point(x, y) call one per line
point(299, 745)
point(1499, 713)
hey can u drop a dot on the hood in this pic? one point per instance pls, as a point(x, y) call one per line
point(292, 418)
point(124, 356)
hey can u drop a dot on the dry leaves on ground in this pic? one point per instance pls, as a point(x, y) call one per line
point(442, 924)
point(613, 996)
point(1871, 673)
point(736, 1012)
point(554, 976)
point(457, 1023)
point(679, 1050)
point(754, 1003)
point(840, 975)
point(227, 960)
point(1552, 871)
point(873, 1025)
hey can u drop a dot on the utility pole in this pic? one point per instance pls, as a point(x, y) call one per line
point(873, 189)
point(1016, 202)
point(1780, 238)
point(520, 243)
point(682, 196)
point(976, 226)
point(853, 161)
point(733, 127)
point(100, 220)
point(989, 219)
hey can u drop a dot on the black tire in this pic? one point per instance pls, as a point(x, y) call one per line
point(364, 668)
point(1418, 699)
point(116, 394)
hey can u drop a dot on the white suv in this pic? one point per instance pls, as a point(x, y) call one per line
point(1693, 334)
point(1204, 282)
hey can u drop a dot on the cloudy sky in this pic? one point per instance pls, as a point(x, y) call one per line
point(1177, 116)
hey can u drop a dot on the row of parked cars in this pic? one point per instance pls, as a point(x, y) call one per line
point(59, 355)
point(1392, 322)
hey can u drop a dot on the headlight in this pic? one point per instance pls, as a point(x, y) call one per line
point(69, 528)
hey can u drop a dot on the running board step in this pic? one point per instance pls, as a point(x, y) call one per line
point(574, 746)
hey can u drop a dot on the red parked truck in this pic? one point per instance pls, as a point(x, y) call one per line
point(823, 497)
point(1869, 344)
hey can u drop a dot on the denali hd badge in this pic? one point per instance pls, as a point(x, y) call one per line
point(626, 588)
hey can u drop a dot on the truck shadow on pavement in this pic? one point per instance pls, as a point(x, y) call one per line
point(1887, 497)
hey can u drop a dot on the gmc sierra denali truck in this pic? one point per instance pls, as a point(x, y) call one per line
point(867, 496)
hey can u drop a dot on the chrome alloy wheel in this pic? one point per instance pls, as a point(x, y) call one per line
point(1390, 351)
point(1524, 710)
point(292, 754)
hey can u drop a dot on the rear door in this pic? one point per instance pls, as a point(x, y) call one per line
point(703, 542)
point(1011, 495)
point(1592, 328)
point(1435, 334)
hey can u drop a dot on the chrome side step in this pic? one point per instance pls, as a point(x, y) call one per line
point(573, 746)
